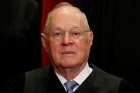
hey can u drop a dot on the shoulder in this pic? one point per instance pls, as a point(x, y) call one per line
point(35, 80)
point(105, 81)
point(102, 75)
point(37, 73)
point(111, 82)
point(36, 76)
point(126, 87)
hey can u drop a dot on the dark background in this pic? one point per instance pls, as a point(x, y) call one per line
point(116, 48)
point(19, 41)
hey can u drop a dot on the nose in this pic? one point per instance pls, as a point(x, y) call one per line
point(67, 40)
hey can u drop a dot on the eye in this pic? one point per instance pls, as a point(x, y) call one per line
point(56, 33)
point(76, 33)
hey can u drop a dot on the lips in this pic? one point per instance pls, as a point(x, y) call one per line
point(68, 52)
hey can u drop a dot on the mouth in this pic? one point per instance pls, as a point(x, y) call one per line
point(68, 53)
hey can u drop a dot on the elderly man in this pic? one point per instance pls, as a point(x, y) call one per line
point(67, 41)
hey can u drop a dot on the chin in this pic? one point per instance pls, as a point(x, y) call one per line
point(69, 64)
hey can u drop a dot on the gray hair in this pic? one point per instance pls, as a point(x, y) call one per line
point(65, 4)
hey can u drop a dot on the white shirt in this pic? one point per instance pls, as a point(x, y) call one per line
point(79, 79)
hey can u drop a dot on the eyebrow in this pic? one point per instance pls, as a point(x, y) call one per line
point(58, 28)
point(74, 27)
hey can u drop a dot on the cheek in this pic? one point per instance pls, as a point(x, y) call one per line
point(54, 49)
point(83, 45)
point(83, 50)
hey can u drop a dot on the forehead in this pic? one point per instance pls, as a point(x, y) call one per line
point(66, 9)
point(66, 15)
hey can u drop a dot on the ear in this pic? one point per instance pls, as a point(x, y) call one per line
point(91, 35)
point(44, 41)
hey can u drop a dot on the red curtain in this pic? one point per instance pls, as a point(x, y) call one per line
point(47, 5)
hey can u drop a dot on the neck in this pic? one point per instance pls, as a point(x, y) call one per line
point(70, 73)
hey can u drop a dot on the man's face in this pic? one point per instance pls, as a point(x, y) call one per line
point(68, 41)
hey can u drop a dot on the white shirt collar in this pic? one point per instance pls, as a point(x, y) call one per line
point(80, 78)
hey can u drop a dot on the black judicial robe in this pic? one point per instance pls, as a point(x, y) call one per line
point(44, 80)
